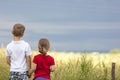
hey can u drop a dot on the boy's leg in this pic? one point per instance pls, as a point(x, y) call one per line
point(18, 76)
point(13, 76)
point(24, 76)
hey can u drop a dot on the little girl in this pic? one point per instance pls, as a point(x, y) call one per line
point(42, 64)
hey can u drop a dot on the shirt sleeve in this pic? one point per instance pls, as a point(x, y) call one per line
point(8, 52)
point(28, 50)
point(52, 61)
point(35, 60)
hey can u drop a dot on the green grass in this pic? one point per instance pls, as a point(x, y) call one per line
point(75, 66)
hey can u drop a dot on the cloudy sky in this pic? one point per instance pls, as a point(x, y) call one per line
point(70, 25)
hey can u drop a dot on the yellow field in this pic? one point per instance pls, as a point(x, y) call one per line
point(78, 66)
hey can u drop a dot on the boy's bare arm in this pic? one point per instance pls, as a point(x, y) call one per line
point(28, 59)
point(8, 60)
point(33, 68)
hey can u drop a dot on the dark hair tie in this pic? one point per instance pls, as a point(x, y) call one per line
point(42, 52)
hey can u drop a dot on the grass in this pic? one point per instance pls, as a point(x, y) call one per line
point(77, 66)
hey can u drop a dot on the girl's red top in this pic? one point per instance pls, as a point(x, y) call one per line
point(43, 65)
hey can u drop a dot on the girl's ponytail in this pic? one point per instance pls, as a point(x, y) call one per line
point(43, 46)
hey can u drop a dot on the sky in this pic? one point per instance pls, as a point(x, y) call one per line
point(70, 25)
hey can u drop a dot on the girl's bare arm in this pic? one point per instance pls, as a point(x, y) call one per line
point(52, 68)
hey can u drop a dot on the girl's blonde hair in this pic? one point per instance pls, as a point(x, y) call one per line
point(43, 46)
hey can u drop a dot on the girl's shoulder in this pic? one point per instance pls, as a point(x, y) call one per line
point(37, 55)
point(50, 56)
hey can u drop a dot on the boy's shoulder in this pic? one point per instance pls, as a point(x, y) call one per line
point(15, 42)
point(25, 42)
point(10, 43)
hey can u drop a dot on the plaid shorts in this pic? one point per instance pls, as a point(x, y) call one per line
point(18, 76)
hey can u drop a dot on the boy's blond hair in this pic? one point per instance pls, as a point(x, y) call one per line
point(18, 30)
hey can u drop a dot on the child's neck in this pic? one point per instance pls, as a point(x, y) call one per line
point(16, 38)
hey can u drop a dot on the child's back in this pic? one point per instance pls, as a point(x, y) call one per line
point(18, 54)
point(17, 50)
point(43, 64)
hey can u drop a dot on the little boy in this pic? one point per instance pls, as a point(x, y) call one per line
point(18, 54)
